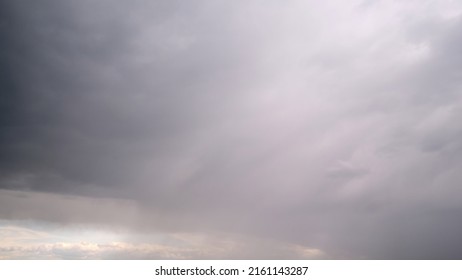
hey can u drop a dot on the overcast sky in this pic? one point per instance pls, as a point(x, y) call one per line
point(231, 129)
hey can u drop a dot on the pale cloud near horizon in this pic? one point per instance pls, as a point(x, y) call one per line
point(29, 240)
point(330, 126)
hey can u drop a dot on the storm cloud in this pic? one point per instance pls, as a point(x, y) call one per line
point(332, 127)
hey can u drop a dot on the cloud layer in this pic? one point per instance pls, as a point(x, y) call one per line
point(332, 126)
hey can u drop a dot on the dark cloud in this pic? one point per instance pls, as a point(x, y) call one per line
point(333, 126)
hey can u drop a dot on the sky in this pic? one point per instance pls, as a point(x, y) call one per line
point(230, 129)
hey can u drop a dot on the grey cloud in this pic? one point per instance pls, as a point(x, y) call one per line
point(67, 209)
point(331, 128)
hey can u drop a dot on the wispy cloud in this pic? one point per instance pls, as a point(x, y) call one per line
point(56, 242)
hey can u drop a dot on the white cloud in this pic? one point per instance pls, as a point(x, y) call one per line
point(57, 242)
